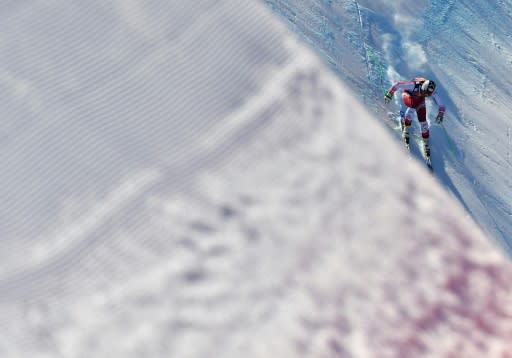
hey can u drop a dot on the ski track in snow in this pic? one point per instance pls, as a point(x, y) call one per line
point(180, 185)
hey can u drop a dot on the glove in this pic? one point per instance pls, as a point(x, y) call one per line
point(387, 97)
point(439, 118)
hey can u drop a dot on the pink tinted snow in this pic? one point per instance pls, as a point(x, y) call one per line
point(466, 313)
point(412, 275)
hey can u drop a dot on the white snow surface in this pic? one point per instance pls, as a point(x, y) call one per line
point(466, 47)
point(188, 179)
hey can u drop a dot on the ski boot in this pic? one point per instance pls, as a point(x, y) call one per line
point(426, 152)
point(405, 132)
point(426, 148)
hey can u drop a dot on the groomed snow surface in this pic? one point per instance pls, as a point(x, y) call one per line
point(189, 180)
point(466, 47)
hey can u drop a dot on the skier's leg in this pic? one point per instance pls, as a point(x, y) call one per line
point(403, 108)
point(405, 116)
point(408, 118)
point(421, 112)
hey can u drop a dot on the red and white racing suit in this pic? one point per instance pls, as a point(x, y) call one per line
point(414, 100)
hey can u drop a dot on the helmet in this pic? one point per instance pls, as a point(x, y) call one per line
point(428, 87)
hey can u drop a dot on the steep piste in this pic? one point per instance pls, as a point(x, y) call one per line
point(234, 199)
point(465, 47)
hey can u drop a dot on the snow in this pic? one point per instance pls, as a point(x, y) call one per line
point(192, 180)
point(452, 42)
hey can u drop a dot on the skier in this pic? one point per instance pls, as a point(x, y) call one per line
point(413, 97)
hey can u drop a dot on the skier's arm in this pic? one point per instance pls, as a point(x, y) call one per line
point(441, 106)
point(402, 85)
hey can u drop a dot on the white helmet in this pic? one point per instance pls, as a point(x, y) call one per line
point(428, 87)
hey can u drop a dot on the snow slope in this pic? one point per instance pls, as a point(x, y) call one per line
point(466, 46)
point(189, 180)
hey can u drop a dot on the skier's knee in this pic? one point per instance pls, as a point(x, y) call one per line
point(424, 129)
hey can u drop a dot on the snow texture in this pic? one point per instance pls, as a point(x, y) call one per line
point(372, 43)
point(192, 180)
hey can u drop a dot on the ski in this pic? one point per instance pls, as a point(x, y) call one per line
point(428, 162)
point(426, 156)
point(405, 138)
point(407, 145)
